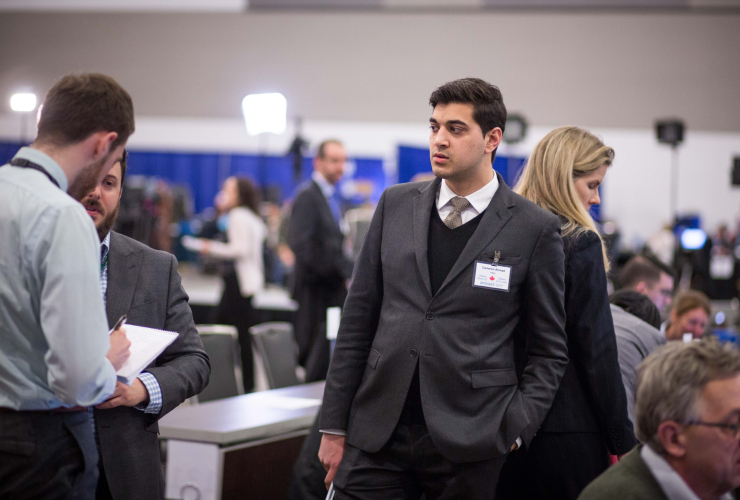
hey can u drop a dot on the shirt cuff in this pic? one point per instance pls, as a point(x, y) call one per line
point(336, 432)
point(518, 443)
point(155, 394)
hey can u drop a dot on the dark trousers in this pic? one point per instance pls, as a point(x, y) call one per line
point(307, 480)
point(235, 309)
point(408, 466)
point(49, 455)
point(103, 490)
point(557, 466)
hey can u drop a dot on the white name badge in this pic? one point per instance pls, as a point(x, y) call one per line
point(492, 276)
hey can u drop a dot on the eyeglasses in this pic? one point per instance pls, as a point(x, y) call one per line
point(735, 428)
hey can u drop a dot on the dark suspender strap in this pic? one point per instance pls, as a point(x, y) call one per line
point(23, 163)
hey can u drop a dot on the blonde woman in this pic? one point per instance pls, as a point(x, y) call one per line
point(588, 418)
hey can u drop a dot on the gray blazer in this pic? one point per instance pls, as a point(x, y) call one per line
point(635, 341)
point(144, 284)
point(463, 337)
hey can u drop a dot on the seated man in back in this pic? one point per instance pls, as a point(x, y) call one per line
point(688, 417)
point(650, 277)
point(144, 284)
point(637, 327)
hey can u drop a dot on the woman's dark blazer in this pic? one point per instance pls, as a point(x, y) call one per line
point(591, 396)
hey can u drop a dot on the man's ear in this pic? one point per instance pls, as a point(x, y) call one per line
point(672, 439)
point(102, 142)
point(493, 139)
point(641, 287)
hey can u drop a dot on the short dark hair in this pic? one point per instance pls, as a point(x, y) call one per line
point(321, 152)
point(80, 105)
point(638, 305)
point(249, 196)
point(642, 268)
point(489, 110)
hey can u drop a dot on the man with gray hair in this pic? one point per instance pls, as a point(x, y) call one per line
point(688, 418)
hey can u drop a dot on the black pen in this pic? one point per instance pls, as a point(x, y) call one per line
point(119, 324)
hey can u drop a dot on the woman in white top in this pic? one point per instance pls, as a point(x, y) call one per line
point(244, 273)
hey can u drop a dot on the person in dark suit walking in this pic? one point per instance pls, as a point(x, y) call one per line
point(588, 419)
point(143, 284)
point(321, 267)
point(422, 395)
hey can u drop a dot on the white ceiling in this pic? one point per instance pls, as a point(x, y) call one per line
point(420, 5)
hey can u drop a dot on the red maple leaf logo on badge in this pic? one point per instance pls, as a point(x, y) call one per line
point(491, 278)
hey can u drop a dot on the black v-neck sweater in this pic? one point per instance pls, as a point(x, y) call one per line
point(445, 246)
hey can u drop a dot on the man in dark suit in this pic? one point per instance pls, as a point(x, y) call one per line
point(321, 267)
point(422, 394)
point(688, 418)
point(144, 284)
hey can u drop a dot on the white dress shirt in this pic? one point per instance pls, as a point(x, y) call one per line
point(670, 482)
point(479, 200)
point(53, 328)
point(327, 189)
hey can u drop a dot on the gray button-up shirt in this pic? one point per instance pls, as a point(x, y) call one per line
point(53, 328)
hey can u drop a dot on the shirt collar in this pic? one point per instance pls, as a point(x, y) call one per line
point(326, 188)
point(669, 480)
point(105, 246)
point(43, 160)
point(479, 200)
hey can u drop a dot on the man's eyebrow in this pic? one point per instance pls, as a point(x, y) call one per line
point(450, 122)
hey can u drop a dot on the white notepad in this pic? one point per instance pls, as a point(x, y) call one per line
point(146, 345)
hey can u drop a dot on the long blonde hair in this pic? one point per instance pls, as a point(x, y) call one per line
point(549, 177)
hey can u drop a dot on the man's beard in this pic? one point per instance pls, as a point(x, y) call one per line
point(105, 225)
point(87, 179)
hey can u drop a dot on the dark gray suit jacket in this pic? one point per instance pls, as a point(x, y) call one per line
point(144, 284)
point(320, 265)
point(463, 337)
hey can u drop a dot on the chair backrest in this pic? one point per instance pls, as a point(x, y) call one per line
point(277, 347)
point(221, 343)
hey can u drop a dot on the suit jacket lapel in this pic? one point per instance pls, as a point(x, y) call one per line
point(494, 219)
point(123, 262)
point(423, 205)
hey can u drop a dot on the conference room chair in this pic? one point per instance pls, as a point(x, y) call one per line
point(275, 344)
point(221, 343)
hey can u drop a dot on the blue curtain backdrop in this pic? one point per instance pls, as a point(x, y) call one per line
point(203, 173)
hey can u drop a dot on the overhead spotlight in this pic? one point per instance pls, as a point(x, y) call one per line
point(693, 239)
point(265, 113)
point(23, 102)
point(515, 129)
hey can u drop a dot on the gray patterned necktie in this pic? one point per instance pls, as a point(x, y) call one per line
point(459, 204)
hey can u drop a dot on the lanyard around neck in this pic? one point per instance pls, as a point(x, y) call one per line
point(23, 163)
